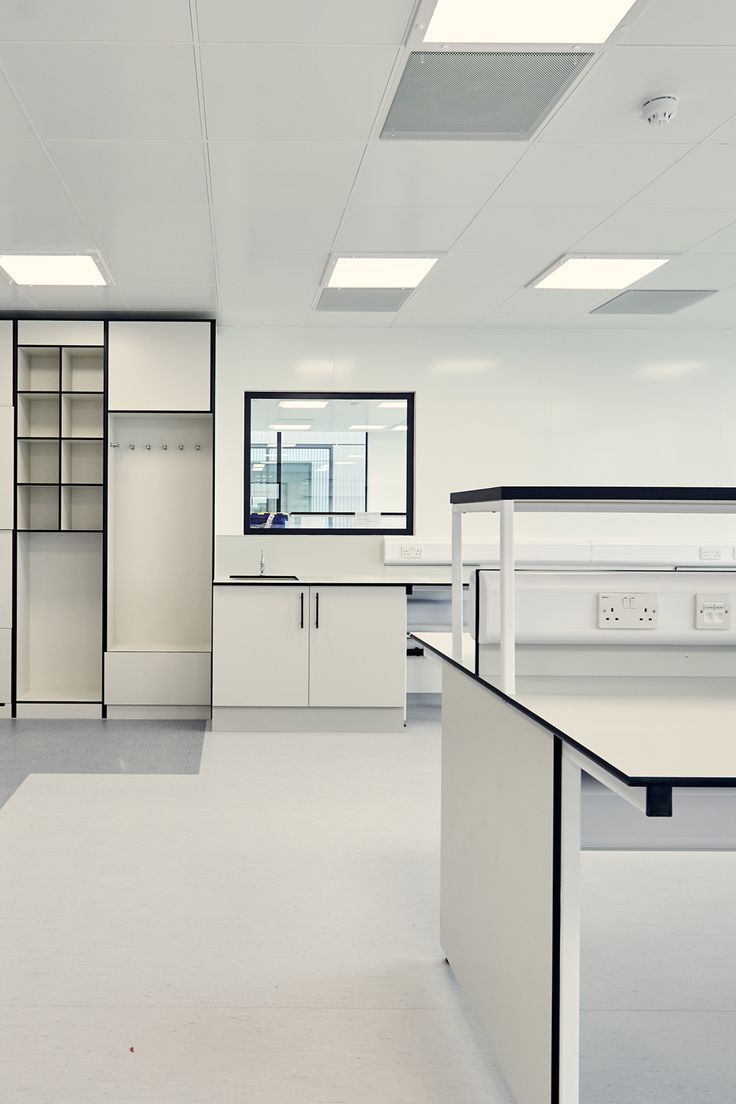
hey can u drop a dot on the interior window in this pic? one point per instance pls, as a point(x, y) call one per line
point(325, 462)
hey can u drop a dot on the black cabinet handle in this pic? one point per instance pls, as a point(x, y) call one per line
point(301, 610)
point(316, 610)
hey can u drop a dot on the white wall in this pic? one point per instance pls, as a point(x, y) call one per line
point(492, 407)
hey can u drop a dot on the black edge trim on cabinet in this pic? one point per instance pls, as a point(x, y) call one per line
point(103, 316)
point(476, 662)
point(105, 493)
point(595, 494)
point(556, 920)
point(265, 582)
point(659, 801)
point(213, 354)
point(14, 552)
point(706, 781)
point(407, 531)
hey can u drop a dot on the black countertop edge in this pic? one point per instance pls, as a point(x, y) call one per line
point(314, 582)
point(596, 494)
point(632, 781)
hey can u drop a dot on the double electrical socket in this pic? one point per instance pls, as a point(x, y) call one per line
point(628, 610)
point(411, 552)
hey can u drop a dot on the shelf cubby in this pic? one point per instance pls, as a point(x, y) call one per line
point(38, 507)
point(38, 461)
point(82, 370)
point(81, 461)
point(81, 508)
point(38, 369)
point(82, 416)
point(38, 415)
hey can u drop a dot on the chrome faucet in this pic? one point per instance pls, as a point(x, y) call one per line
point(263, 564)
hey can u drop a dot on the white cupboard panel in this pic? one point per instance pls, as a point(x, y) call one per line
point(6, 467)
point(159, 366)
point(261, 649)
point(6, 363)
point(6, 579)
point(157, 678)
point(50, 332)
point(5, 646)
point(358, 646)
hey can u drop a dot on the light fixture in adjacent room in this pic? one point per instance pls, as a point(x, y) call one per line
point(379, 272)
point(366, 428)
point(52, 270)
point(597, 273)
point(283, 428)
point(393, 404)
point(400, 428)
point(303, 404)
point(525, 21)
point(258, 467)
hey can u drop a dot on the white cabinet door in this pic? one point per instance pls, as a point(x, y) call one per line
point(260, 649)
point(6, 467)
point(159, 366)
point(357, 646)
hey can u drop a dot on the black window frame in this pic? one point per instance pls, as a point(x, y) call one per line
point(407, 396)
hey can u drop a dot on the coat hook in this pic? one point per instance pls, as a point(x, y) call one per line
point(197, 447)
point(164, 447)
point(114, 444)
point(148, 448)
point(181, 448)
point(131, 446)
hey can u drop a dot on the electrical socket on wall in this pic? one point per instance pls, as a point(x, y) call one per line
point(712, 611)
point(627, 610)
point(411, 552)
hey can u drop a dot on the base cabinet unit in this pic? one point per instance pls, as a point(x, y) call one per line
point(141, 680)
point(308, 656)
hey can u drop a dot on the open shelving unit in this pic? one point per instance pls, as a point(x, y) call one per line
point(59, 468)
point(60, 395)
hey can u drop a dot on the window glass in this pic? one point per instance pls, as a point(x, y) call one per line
point(318, 462)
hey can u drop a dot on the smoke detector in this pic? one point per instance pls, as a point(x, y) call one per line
point(659, 110)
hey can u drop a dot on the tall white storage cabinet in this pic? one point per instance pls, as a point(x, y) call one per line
point(111, 508)
point(160, 457)
point(6, 516)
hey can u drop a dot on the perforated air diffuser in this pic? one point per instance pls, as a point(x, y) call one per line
point(651, 302)
point(363, 299)
point(479, 94)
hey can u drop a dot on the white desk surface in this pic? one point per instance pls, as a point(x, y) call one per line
point(645, 728)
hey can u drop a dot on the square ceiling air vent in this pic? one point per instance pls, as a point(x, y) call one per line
point(651, 302)
point(363, 299)
point(479, 94)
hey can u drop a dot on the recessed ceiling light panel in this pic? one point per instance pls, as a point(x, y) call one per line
point(532, 21)
point(367, 427)
point(47, 270)
point(287, 428)
point(379, 272)
point(598, 273)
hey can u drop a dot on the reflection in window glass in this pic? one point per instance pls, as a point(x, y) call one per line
point(328, 462)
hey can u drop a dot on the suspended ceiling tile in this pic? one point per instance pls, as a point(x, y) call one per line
point(77, 298)
point(295, 175)
point(13, 123)
point(294, 92)
point(401, 229)
point(92, 21)
point(259, 269)
point(132, 172)
point(351, 320)
point(724, 241)
point(606, 105)
point(651, 229)
point(140, 227)
point(725, 134)
point(703, 178)
point(550, 230)
point(694, 270)
point(592, 175)
point(380, 21)
point(270, 230)
point(27, 176)
point(276, 298)
point(684, 23)
point(186, 299)
point(502, 321)
point(263, 319)
point(552, 306)
point(73, 90)
point(433, 174)
point(164, 266)
point(42, 227)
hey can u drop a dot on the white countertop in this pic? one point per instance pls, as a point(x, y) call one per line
point(645, 728)
point(388, 578)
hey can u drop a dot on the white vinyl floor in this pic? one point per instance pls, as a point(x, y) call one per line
point(263, 932)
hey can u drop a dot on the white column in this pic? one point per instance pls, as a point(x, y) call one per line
point(457, 585)
point(508, 631)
